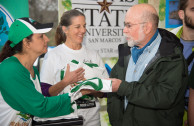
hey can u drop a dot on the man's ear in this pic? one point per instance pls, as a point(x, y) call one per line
point(181, 14)
point(64, 28)
point(148, 27)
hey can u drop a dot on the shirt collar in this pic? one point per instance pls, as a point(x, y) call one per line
point(136, 52)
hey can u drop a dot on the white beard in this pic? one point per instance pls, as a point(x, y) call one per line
point(131, 43)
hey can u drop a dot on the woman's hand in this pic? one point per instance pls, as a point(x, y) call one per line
point(70, 78)
point(73, 76)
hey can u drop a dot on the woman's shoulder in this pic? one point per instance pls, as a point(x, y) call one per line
point(93, 54)
point(10, 64)
point(10, 61)
point(55, 50)
point(90, 51)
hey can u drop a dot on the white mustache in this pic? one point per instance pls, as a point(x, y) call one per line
point(127, 36)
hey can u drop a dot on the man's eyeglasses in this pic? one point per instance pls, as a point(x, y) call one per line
point(127, 25)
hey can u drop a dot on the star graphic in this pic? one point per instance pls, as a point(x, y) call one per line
point(104, 5)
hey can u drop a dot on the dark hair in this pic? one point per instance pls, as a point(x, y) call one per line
point(65, 21)
point(8, 51)
point(183, 4)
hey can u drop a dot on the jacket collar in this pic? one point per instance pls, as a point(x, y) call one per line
point(168, 43)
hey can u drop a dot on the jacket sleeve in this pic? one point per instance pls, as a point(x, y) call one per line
point(113, 74)
point(160, 87)
point(115, 102)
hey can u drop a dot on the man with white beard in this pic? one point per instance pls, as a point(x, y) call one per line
point(148, 79)
point(186, 35)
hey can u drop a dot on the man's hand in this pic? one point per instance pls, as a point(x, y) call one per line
point(115, 84)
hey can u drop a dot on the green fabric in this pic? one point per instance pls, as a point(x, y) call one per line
point(157, 99)
point(36, 73)
point(75, 61)
point(87, 97)
point(19, 92)
point(62, 74)
point(179, 33)
point(91, 65)
point(97, 87)
point(17, 32)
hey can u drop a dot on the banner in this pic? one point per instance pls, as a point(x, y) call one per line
point(104, 22)
point(10, 10)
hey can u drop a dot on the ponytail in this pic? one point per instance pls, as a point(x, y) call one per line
point(6, 51)
point(60, 36)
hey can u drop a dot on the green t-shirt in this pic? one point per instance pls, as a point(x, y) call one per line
point(19, 92)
